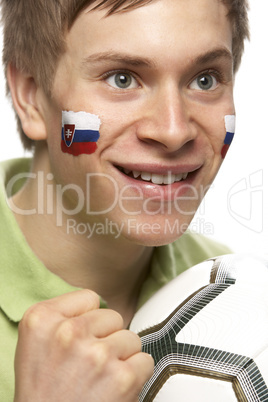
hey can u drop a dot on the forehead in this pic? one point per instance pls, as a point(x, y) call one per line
point(124, 6)
point(167, 25)
point(121, 6)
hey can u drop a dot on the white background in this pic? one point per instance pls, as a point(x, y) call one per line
point(235, 211)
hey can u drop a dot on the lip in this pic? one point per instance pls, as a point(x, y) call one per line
point(163, 192)
point(160, 169)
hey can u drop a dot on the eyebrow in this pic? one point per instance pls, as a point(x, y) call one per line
point(123, 58)
point(220, 53)
point(118, 58)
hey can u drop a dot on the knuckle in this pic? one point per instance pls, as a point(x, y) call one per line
point(126, 380)
point(66, 334)
point(114, 317)
point(34, 317)
point(99, 356)
point(118, 318)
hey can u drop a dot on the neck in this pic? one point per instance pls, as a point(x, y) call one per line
point(112, 266)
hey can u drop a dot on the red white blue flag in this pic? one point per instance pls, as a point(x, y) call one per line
point(230, 132)
point(80, 133)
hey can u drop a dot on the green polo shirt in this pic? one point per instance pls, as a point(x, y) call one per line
point(24, 280)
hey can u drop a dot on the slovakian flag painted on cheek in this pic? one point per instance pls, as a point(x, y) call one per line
point(230, 132)
point(79, 133)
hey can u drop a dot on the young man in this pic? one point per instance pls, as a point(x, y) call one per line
point(129, 108)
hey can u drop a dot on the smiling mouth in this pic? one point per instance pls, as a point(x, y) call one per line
point(160, 179)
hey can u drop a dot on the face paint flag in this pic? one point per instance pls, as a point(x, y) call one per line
point(230, 131)
point(80, 133)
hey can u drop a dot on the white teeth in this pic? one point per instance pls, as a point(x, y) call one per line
point(166, 180)
point(169, 179)
point(179, 177)
point(157, 178)
point(136, 174)
point(146, 176)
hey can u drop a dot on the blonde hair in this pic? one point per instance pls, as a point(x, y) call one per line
point(34, 34)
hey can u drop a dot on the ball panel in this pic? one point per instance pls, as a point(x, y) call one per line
point(167, 299)
point(195, 360)
point(185, 388)
point(228, 314)
point(241, 268)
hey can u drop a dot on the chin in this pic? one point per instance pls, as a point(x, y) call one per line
point(155, 237)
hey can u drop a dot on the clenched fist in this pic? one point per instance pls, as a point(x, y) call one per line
point(70, 350)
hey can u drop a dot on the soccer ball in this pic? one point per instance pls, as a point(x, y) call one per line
point(207, 331)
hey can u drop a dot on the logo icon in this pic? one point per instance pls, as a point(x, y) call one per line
point(69, 130)
point(246, 201)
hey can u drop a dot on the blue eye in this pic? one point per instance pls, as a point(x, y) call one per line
point(204, 82)
point(122, 81)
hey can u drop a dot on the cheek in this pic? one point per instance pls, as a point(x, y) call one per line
point(79, 133)
point(53, 137)
point(220, 133)
point(230, 132)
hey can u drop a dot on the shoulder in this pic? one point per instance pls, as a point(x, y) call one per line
point(192, 248)
point(14, 172)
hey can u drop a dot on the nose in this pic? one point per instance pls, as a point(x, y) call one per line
point(167, 120)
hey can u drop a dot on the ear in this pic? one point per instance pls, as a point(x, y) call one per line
point(24, 91)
